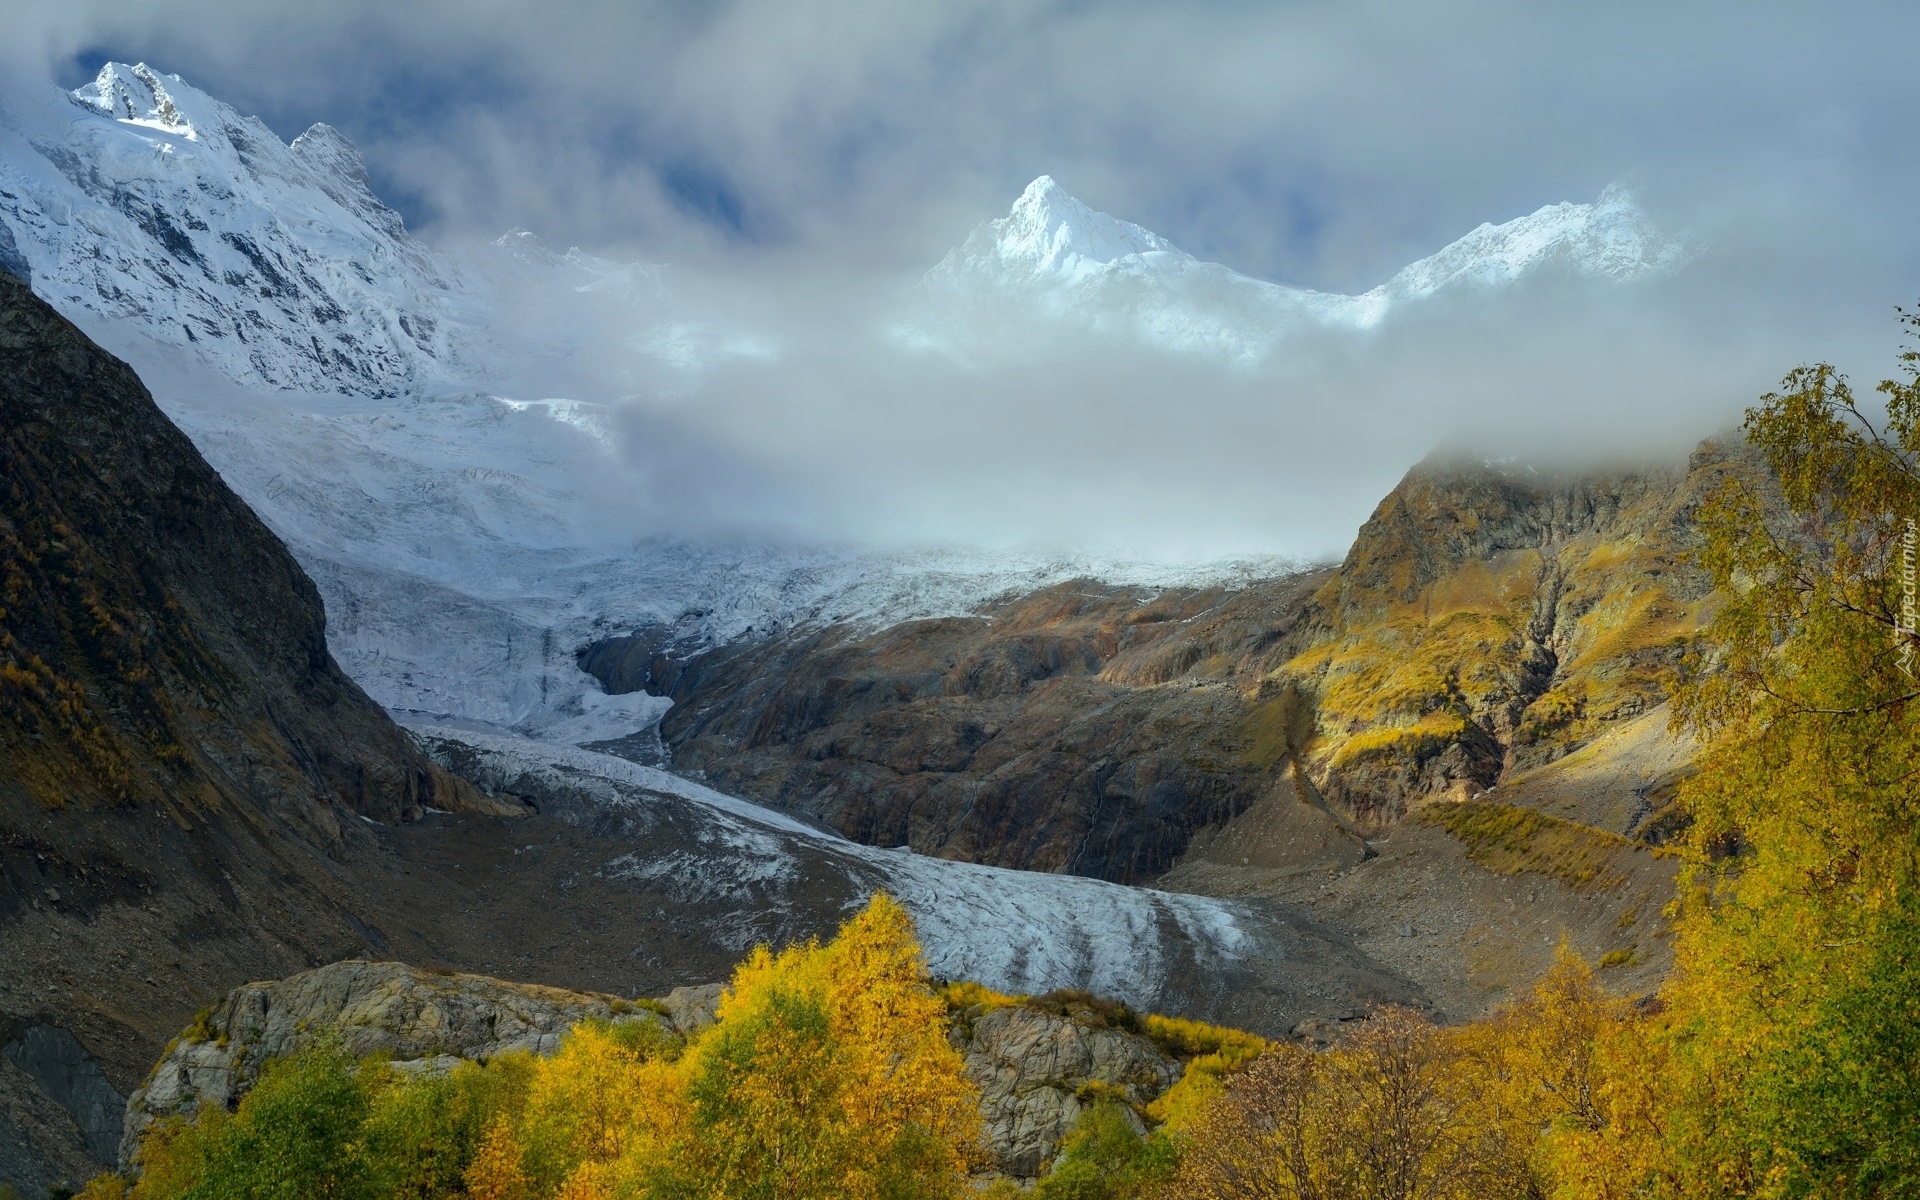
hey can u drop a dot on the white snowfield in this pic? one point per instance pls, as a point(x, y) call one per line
point(1018, 931)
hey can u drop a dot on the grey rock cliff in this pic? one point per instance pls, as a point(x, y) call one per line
point(420, 1019)
point(11, 260)
point(71, 1077)
point(1038, 1071)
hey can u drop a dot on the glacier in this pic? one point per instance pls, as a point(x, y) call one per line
point(1256, 964)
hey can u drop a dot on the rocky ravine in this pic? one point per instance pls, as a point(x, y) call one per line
point(1034, 1067)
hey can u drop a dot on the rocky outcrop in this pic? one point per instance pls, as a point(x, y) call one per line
point(1038, 1071)
point(1037, 1066)
point(420, 1020)
point(12, 261)
point(1490, 619)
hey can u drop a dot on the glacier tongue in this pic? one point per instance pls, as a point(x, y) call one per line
point(1019, 931)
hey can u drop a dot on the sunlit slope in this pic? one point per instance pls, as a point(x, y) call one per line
point(1491, 619)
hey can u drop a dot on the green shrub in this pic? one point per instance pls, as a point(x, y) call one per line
point(1107, 1158)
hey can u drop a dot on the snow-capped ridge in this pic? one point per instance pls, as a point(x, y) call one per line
point(136, 94)
point(341, 171)
point(163, 212)
point(1611, 238)
point(1054, 257)
point(1050, 230)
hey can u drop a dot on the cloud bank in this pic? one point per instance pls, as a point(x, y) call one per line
point(805, 161)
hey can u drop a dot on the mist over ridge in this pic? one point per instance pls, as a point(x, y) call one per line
point(1064, 379)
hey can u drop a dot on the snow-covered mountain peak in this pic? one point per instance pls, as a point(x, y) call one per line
point(1046, 237)
point(526, 246)
point(1050, 229)
point(162, 211)
point(1054, 259)
point(341, 172)
point(1612, 238)
point(137, 95)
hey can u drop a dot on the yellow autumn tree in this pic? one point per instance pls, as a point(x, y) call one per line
point(827, 1075)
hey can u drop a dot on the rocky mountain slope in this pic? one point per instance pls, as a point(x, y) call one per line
point(161, 647)
point(1066, 729)
point(179, 748)
point(1488, 620)
point(1496, 634)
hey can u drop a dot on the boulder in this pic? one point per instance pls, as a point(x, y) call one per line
point(424, 1021)
point(1038, 1071)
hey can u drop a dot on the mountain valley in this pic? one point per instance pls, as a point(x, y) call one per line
point(216, 803)
point(334, 633)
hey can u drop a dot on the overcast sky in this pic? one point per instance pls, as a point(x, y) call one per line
point(1318, 144)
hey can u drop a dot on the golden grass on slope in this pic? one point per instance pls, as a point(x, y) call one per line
point(1210, 1052)
point(1278, 727)
point(1429, 734)
point(1513, 840)
point(965, 993)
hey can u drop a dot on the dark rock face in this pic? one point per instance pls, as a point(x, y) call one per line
point(72, 1078)
point(158, 644)
point(12, 261)
point(1084, 728)
point(648, 660)
point(178, 751)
